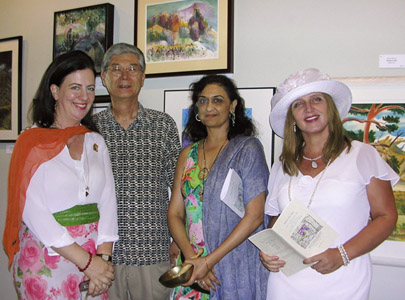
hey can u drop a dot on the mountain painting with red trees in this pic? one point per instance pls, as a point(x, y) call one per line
point(382, 125)
point(182, 30)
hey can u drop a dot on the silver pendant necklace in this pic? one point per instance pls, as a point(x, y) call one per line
point(312, 160)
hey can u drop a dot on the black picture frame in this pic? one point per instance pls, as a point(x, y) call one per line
point(89, 29)
point(10, 88)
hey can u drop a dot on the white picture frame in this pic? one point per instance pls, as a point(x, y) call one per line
point(257, 101)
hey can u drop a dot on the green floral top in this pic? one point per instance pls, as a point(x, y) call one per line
point(192, 189)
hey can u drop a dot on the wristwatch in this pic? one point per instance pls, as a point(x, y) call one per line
point(106, 257)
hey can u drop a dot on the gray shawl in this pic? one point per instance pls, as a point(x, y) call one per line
point(240, 272)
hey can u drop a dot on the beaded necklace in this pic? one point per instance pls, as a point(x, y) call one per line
point(316, 186)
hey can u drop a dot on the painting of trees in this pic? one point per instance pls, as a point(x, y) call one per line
point(182, 30)
point(382, 125)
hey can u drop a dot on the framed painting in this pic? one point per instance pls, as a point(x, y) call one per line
point(89, 29)
point(257, 104)
point(185, 37)
point(10, 88)
point(377, 117)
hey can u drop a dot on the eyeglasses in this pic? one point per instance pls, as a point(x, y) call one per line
point(132, 71)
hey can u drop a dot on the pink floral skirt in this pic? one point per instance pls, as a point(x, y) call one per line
point(38, 276)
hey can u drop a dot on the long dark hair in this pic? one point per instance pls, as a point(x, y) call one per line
point(243, 125)
point(43, 104)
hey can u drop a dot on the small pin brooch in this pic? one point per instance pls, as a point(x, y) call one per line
point(95, 147)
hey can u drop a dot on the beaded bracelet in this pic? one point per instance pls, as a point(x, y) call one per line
point(87, 265)
point(344, 255)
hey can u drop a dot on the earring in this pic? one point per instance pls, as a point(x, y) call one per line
point(232, 117)
point(295, 127)
point(197, 118)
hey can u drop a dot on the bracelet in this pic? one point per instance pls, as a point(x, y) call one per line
point(206, 264)
point(344, 255)
point(87, 265)
point(106, 257)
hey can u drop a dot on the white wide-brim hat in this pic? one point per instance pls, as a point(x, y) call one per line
point(301, 84)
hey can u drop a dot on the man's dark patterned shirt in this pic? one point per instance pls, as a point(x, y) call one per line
point(143, 160)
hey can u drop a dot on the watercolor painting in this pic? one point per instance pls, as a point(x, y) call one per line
point(182, 30)
point(382, 125)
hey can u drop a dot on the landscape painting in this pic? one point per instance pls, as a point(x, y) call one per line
point(185, 36)
point(182, 30)
point(382, 125)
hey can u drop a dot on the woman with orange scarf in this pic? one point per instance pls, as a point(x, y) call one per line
point(61, 216)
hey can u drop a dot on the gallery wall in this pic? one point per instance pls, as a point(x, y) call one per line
point(272, 39)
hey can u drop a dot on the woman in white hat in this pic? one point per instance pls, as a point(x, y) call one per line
point(346, 183)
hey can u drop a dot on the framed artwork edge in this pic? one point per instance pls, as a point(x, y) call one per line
point(16, 44)
point(102, 99)
point(372, 81)
point(185, 68)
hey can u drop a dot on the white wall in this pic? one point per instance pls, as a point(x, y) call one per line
point(273, 38)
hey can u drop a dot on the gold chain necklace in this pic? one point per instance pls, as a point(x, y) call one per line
point(203, 174)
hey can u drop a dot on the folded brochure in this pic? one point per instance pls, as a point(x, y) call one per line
point(297, 234)
point(232, 193)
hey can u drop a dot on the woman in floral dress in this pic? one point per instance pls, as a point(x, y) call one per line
point(61, 216)
point(191, 189)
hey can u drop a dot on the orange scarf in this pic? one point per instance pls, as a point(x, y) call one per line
point(33, 147)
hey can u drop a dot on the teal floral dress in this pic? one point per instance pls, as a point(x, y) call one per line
point(192, 190)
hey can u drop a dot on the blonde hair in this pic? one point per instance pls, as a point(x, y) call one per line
point(293, 144)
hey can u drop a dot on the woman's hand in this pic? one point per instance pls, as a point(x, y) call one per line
point(271, 263)
point(207, 283)
point(202, 273)
point(326, 262)
point(100, 273)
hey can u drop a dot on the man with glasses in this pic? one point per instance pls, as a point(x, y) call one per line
point(144, 146)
